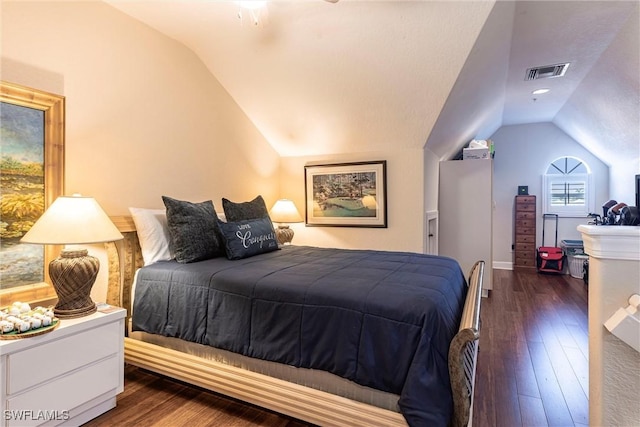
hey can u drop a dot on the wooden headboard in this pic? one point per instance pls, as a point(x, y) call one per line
point(125, 257)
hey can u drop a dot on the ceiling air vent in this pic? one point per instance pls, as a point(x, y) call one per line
point(547, 71)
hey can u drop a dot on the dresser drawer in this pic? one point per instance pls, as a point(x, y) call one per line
point(529, 254)
point(525, 247)
point(525, 199)
point(525, 223)
point(65, 393)
point(525, 238)
point(526, 215)
point(526, 207)
point(37, 364)
point(525, 230)
point(525, 262)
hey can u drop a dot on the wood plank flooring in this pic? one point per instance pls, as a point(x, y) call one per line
point(533, 360)
point(151, 400)
point(532, 368)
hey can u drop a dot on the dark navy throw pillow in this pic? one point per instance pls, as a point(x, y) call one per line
point(240, 211)
point(193, 228)
point(243, 239)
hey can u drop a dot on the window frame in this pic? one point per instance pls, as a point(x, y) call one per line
point(53, 107)
point(567, 177)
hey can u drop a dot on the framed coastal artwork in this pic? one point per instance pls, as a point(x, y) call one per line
point(346, 194)
point(31, 176)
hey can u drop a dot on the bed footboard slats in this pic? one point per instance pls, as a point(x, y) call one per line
point(469, 364)
point(463, 352)
point(295, 400)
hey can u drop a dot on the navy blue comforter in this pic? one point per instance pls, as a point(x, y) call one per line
point(381, 319)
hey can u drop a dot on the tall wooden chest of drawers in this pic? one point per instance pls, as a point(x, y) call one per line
point(525, 232)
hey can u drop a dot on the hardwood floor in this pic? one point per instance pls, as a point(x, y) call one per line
point(532, 368)
point(151, 400)
point(533, 360)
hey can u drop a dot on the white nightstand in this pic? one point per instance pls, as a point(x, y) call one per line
point(65, 377)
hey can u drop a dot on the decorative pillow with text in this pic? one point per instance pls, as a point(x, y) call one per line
point(243, 239)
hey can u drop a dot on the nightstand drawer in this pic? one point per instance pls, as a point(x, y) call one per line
point(37, 364)
point(61, 396)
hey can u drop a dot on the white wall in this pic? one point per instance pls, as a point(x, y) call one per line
point(474, 107)
point(144, 116)
point(603, 114)
point(431, 180)
point(405, 206)
point(523, 153)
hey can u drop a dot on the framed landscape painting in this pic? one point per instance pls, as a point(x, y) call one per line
point(346, 194)
point(31, 178)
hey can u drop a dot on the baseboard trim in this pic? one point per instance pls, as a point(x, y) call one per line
point(502, 265)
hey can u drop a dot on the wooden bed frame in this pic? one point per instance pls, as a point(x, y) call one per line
point(297, 401)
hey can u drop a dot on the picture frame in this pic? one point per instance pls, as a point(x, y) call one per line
point(346, 194)
point(43, 187)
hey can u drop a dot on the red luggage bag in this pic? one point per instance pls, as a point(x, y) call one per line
point(550, 259)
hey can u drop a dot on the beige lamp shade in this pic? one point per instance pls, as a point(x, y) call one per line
point(285, 211)
point(72, 220)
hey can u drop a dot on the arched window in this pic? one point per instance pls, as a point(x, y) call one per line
point(567, 188)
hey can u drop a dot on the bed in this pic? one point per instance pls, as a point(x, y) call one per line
point(291, 376)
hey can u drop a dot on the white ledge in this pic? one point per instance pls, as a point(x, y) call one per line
point(611, 241)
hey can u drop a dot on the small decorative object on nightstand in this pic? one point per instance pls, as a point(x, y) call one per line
point(71, 221)
point(284, 212)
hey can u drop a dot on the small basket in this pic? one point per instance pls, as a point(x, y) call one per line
point(576, 265)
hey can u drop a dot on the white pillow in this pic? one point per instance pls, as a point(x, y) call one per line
point(153, 234)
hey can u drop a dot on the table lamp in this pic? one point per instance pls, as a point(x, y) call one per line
point(71, 221)
point(284, 212)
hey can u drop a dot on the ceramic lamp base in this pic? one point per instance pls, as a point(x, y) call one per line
point(73, 274)
point(284, 234)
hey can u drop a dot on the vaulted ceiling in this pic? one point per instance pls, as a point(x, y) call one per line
point(319, 78)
